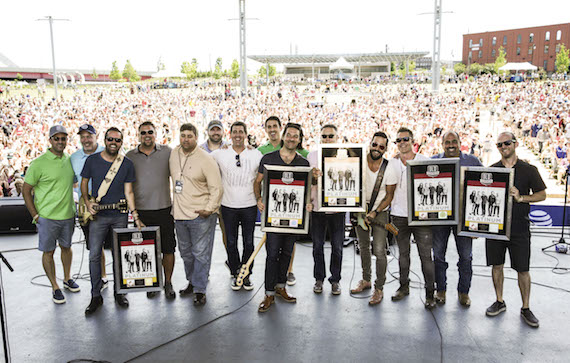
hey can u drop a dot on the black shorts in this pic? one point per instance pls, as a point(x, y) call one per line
point(163, 219)
point(107, 244)
point(519, 252)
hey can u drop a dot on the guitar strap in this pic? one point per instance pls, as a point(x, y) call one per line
point(377, 184)
point(109, 177)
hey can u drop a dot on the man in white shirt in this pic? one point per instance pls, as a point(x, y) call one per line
point(396, 175)
point(238, 167)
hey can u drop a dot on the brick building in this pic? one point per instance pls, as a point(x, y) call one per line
point(537, 45)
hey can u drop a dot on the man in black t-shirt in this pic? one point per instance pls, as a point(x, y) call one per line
point(279, 246)
point(528, 188)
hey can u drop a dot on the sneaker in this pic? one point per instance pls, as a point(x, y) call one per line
point(58, 297)
point(234, 285)
point(71, 285)
point(266, 303)
point(362, 285)
point(104, 284)
point(151, 294)
point(169, 291)
point(199, 299)
point(187, 290)
point(377, 297)
point(496, 308)
point(464, 299)
point(529, 317)
point(291, 280)
point(280, 291)
point(440, 297)
point(247, 285)
point(318, 288)
point(401, 293)
point(335, 289)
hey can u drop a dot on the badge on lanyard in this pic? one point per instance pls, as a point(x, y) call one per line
point(178, 186)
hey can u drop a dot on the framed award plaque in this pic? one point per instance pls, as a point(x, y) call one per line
point(137, 259)
point(342, 187)
point(286, 190)
point(433, 192)
point(486, 207)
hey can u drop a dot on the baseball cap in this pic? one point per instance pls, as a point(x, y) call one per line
point(215, 123)
point(86, 127)
point(57, 129)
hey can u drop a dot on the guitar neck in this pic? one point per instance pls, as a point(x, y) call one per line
point(105, 207)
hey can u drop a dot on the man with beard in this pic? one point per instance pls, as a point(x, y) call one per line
point(528, 188)
point(451, 147)
point(95, 170)
point(378, 198)
point(215, 136)
point(152, 195)
point(279, 246)
point(89, 146)
point(50, 177)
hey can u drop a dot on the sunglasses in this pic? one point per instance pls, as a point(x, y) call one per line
point(375, 144)
point(506, 143)
point(59, 138)
point(405, 139)
point(150, 132)
point(115, 139)
point(328, 136)
point(238, 162)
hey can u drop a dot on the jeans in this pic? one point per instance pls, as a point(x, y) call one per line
point(423, 237)
point(98, 229)
point(279, 248)
point(335, 223)
point(195, 242)
point(233, 217)
point(464, 249)
point(379, 235)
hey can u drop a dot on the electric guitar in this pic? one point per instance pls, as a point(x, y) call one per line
point(83, 212)
point(244, 271)
point(361, 218)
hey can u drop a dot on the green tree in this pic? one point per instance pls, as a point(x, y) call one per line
point(475, 69)
point(501, 60)
point(562, 62)
point(115, 73)
point(263, 71)
point(129, 72)
point(392, 67)
point(443, 69)
point(19, 77)
point(459, 68)
point(488, 68)
point(218, 68)
point(234, 70)
point(94, 75)
point(189, 69)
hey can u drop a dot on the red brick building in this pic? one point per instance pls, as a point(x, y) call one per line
point(537, 45)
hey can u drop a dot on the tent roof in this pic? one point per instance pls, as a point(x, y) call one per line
point(341, 63)
point(331, 58)
point(521, 66)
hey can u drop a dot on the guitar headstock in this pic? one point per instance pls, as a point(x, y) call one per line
point(243, 272)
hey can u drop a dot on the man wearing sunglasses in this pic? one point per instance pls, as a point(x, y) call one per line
point(52, 208)
point(152, 195)
point(528, 188)
point(397, 180)
point(238, 167)
point(451, 149)
point(377, 217)
point(121, 187)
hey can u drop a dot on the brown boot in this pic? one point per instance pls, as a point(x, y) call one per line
point(362, 285)
point(266, 303)
point(401, 293)
point(376, 297)
point(440, 297)
point(280, 291)
point(464, 299)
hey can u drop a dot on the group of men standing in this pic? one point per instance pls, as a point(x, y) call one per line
point(188, 187)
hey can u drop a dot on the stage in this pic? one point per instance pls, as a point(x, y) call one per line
point(318, 328)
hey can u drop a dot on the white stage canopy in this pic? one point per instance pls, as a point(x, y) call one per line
point(341, 63)
point(522, 66)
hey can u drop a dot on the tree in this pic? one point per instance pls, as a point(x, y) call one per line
point(160, 65)
point(189, 69)
point(234, 70)
point(19, 77)
point(562, 62)
point(129, 72)
point(218, 68)
point(459, 68)
point(501, 60)
point(94, 75)
point(115, 74)
point(263, 71)
point(475, 69)
point(392, 68)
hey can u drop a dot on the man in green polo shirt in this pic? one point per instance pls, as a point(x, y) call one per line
point(51, 178)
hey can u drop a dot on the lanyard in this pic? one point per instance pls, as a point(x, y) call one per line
point(182, 167)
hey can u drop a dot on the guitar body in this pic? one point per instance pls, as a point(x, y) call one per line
point(85, 216)
point(244, 270)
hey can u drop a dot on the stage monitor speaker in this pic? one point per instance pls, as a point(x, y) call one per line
point(14, 216)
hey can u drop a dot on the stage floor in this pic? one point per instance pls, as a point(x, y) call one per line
point(318, 328)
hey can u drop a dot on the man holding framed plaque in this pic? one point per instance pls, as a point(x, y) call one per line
point(279, 246)
point(451, 147)
point(528, 188)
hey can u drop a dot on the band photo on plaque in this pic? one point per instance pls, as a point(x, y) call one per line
point(433, 192)
point(485, 202)
point(137, 257)
point(341, 188)
point(285, 193)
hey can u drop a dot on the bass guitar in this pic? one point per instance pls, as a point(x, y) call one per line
point(244, 271)
point(83, 212)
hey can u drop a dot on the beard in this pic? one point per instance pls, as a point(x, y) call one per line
point(375, 155)
point(112, 152)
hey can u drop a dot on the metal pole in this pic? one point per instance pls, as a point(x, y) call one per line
point(50, 19)
point(436, 46)
point(242, 52)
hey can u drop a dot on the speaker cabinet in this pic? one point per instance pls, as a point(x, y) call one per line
point(14, 216)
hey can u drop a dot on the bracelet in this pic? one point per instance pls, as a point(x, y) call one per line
point(35, 218)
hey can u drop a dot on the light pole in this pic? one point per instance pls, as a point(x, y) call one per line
point(51, 20)
point(242, 48)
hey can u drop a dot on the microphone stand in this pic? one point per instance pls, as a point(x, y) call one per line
point(561, 240)
point(3, 320)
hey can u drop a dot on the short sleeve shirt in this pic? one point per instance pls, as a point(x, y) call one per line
point(77, 162)
point(397, 174)
point(274, 158)
point(464, 159)
point(267, 148)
